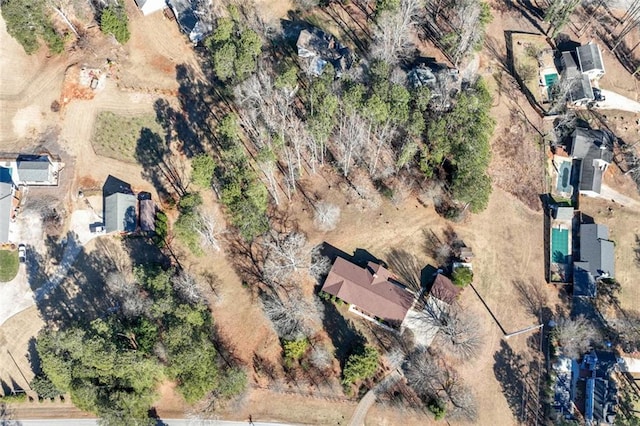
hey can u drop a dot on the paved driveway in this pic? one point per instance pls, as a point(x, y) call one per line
point(15, 295)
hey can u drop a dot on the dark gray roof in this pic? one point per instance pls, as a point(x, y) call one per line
point(5, 203)
point(569, 64)
point(592, 148)
point(323, 48)
point(597, 250)
point(580, 89)
point(140, 3)
point(120, 212)
point(590, 57)
point(190, 19)
point(34, 170)
point(584, 284)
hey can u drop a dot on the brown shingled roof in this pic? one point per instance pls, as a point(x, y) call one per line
point(443, 289)
point(372, 289)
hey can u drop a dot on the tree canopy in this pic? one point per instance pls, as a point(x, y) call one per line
point(114, 21)
point(29, 23)
point(113, 366)
point(461, 137)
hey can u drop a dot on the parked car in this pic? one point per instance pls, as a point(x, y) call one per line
point(22, 253)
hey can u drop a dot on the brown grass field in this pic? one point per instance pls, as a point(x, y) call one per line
point(507, 238)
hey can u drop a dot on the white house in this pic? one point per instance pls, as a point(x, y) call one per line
point(147, 7)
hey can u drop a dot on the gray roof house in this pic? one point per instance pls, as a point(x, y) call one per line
point(590, 60)
point(591, 148)
point(192, 17)
point(35, 170)
point(119, 206)
point(597, 250)
point(6, 202)
point(120, 213)
point(580, 90)
point(584, 284)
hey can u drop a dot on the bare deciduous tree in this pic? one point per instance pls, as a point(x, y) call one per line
point(575, 336)
point(432, 378)
point(209, 230)
point(132, 303)
point(351, 136)
point(294, 316)
point(459, 333)
point(326, 216)
point(187, 287)
point(285, 255)
point(320, 264)
point(393, 36)
point(320, 357)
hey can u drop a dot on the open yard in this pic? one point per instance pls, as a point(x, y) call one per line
point(9, 264)
point(116, 136)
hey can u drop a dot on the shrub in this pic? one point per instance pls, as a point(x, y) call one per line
point(294, 350)
point(202, 168)
point(44, 388)
point(114, 21)
point(16, 398)
point(360, 366)
point(462, 276)
point(438, 409)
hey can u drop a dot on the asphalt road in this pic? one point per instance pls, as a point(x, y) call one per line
point(167, 422)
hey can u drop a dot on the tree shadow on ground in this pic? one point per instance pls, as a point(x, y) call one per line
point(151, 152)
point(80, 295)
point(34, 357)
point(344, 336)
point(514, 373)
point(408, 268)
point(142, 251)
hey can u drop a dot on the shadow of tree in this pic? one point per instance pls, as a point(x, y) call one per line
point(344, 336)
point(34, 357)
point(408, 268)
point(518, 381)
point(80, 295)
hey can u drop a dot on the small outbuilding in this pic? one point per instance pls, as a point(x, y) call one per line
point(147, 209)
point(147, 7)
point(444, 290)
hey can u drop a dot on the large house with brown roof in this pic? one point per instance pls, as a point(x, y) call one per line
point(372, 291)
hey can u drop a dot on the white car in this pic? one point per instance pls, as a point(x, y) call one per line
point(22, 253)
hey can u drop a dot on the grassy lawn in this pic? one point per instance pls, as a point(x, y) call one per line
point(116, 136)
point(8, 265)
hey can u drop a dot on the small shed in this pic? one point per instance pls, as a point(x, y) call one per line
point(147, 209)
point(466, 254)
point(443, 289)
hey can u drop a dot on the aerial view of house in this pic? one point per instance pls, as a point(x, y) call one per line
point(304, 212)
point(371, 291)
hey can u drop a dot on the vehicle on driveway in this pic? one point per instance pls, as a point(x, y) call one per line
point(22, 253)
